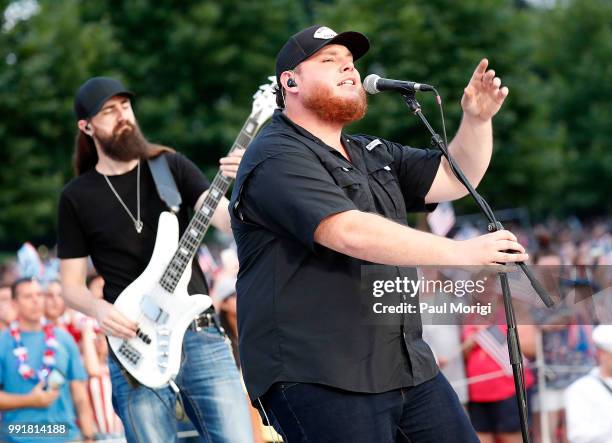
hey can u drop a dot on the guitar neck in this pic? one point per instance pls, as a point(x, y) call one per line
point(191, 239)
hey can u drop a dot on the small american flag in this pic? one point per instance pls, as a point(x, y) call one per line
point(206, 261)
point(442, 220)
point(493, 341)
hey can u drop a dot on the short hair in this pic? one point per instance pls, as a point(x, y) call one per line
point(19, 282)
point(280, 102)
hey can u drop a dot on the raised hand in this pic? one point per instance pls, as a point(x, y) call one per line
point(483, 96)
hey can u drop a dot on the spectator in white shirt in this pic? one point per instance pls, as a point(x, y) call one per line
point(588, 401)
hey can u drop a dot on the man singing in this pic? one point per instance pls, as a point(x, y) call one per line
point(311, 205)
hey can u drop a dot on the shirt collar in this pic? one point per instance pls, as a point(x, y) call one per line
point(280, 117)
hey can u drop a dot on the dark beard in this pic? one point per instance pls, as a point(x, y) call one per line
point(329, 107)
point(124, 146)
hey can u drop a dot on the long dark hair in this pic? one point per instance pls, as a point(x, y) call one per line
point(85, 155)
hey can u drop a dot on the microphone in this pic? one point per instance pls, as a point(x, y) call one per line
point(373, 84)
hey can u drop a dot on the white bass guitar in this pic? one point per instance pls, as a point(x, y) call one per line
point(158, 298)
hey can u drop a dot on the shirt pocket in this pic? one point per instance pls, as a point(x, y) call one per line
point(388, 195)
point(347, 178)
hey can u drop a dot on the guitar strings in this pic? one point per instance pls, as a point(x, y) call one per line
point(207, 203)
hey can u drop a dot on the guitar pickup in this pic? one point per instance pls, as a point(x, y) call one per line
point(152, 311)
point(129, 353)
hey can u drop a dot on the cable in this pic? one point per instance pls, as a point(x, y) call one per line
point(439, 101)
point(487, 209)
point(272, 437)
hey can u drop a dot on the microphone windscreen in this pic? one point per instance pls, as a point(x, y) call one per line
point(369, 84)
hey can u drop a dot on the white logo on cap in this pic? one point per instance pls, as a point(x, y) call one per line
point(324, 33)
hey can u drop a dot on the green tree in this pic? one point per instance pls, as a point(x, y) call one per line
point(440, 42)
point(195, 65)
point(42, 56)
point(575, 58)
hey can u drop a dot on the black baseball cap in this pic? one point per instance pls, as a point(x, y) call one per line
point(92, 95)
point(308, 41)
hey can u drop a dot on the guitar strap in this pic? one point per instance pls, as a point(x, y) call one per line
point(164, 182)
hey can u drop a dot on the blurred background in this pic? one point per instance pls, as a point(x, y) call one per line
point(194, 66)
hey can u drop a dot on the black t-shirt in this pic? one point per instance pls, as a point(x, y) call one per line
point(92, 222)
point(299, 309)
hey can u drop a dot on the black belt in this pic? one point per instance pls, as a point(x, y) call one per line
point(204, 320)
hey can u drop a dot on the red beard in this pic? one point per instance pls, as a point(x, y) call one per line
point(332, 108)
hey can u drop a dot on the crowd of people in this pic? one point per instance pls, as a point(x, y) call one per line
point(33, 312)
point(560, 345)
point(53, 364)
point(567, 365)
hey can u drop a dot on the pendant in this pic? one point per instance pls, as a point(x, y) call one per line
point(138, 226)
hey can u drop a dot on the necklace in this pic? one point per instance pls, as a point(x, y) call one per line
point(137, 221)
point(21, 352)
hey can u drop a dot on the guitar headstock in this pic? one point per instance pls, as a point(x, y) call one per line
point(264, 102)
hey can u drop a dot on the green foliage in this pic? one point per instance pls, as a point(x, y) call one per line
point(46, 54)
point(441, 42)
point(194, 66)
point(575, 58)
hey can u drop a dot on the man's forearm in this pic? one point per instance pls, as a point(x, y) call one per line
point(373, 238)
point(85, 417)
point(83, 408)
point(472, 147)
point(80, 298)
point(14, 401)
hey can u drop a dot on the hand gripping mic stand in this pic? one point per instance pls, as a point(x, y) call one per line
point(514, 346)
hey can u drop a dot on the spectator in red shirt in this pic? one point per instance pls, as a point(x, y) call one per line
point(493, 406)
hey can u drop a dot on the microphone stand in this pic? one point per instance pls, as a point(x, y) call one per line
point(514, 346)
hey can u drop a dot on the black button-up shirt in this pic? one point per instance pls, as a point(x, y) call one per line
point(299, 313)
